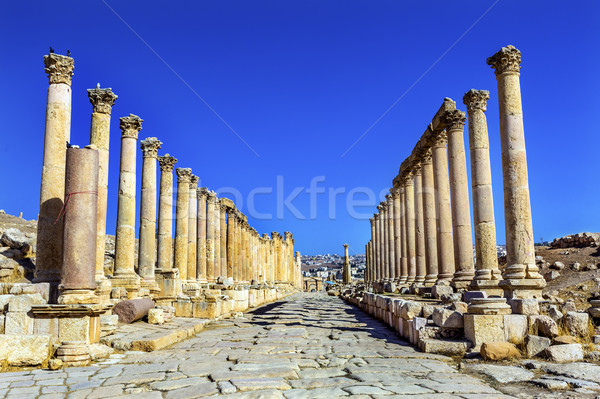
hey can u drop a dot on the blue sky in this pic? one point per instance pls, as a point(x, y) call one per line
point(300, 82)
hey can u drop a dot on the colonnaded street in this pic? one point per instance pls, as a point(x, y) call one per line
point(308, 345)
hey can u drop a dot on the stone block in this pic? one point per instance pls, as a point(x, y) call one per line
point(206, 309)
point(516, 327)
point(564, 340)
point(535, 345)
point(447, 318)
point(25, 350)
point(468, 295)
point(410, 309)
point(460, 307)
point(545, 326)
point(46, 326)
point(156, 316)
point(75, 329)
point(438, 290)
point(554, 313)
point(565, 353)
point(23, 303)
point(427, 311)
point(18, 323)
point(415, 325)
point(4, 300)
point(183, 307)
point(499, 351)
point(525, 306)
point(441, 347)
point(577, 324)
point(484, 328)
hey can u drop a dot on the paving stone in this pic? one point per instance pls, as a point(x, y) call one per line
point(251, 384)
point(365, 390)
point(177, 383)
point(195, 391)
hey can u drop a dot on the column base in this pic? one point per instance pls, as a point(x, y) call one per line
point(131, 283)
point(490, 287)
point(103, 288)
point(523, 288)
point(151, 284)
point(77, 297)
point(74, 353)
point(430, 280)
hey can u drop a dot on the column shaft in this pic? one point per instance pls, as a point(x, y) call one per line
point(202, 194)
point(429, 218)
point(210, 236)
point(181, 221)
point(192, 229)
point(165, 213)
point(419, 228)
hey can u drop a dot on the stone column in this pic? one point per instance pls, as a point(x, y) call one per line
point(419, 227)
point(223, 238)
point(521, 275)
point(409, 206)
point(180, 259)
point(397, 235)
point(230, 242)
point(192, 229)
point(124, 274)
point(235, 220)
point(217, 240)
point(487, 274)
point(57, 133)
point(459, 191)
point(102, 101)
point(346, 276)
point(165, 213)
point(445, 247)
point(391, 241)
point(385, 241)
point(429, 218)
point(211, 203)
point(147, 235)
point(201, 194)
point(403, 238)
point(380, 250)
point(372, 222)
point(80, 226)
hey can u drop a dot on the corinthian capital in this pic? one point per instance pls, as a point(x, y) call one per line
point(212, 197)
point(454, 120)
point(131, 126)
point(194, 182)
point(507, 60)
point(425, 156)
point(59, 68)
point(183, 175)
point(167, 163)
point(476, 100)
point(102, 99)
point(150, 146)
point(202, 192)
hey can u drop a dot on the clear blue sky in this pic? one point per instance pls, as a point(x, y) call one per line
point(300, 82)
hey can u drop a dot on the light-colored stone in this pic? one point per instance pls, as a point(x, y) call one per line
point(499, 351)
point(525, 306)
point(25, 350)
point(565, 353)
point(536, 345)
point(156, 316)
point(484, 328)
point(576, 323)
point(545, 326)
point(447, 318)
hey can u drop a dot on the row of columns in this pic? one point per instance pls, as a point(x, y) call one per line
point(422, 233)
point(212, 238)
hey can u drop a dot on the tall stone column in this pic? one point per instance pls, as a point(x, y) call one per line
point(429, 218)
point(487, 274)
point(102, 101)
point(403, 238)
point(346, 276)
point(79, 258)
point(223, 238)
point(397, 235)
point(235, 219)
point(445, 244)
point(201, 194)
point(230, 242)
point(192, 229)
point(372, 223)
point(147, 236)
point(165, 213)
point(57, 133)
point(386, 243)
point(459, 192)
point(217, 241)
point(421, 265)
point(391, 241)
point(124, 274)
point(180, 259)
point(409, 206)
point(521, 275)
point(380, 245)
point(211, 204)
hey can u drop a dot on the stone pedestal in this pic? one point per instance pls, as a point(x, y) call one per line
point(57, 134)
point(102, 101)
point(124, 274)
point(147, 237)
point(78, 280)
point(521, 275)
point(489, 306)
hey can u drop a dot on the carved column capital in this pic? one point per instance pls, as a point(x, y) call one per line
point(454, 120)
point(426, 156)
point(150, 147)
point(166, 163)
point(184, 175)
point(507, 60)
point(211, 197)
point(439, 139)
point(131, 125)
point(102, 100)
point(194, 181)
point(59, 68)
point(476, 100)
point(202, 192)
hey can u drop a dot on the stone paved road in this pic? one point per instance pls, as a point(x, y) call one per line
point(307, 346)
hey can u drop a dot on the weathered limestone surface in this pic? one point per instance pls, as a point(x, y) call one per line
point(180, 259)
point(165, 213)
point(192, 229)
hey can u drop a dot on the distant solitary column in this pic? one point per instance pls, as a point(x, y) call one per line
point(459, 191)
point(165, 213)
point(390, 234)
point(487, 274)
point(192, 229)
point(57, 133)
point(147, 236)
point(124, 274)
point(346, 274)
point(102, 101)
point(521, 275)
point(419, 227)
point(79, 258)
point(181, 221)
point(445, 248)
point(202, 195)
point(211, 203)
point(409, 206)
point(429, 218)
